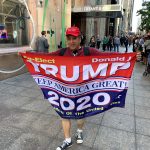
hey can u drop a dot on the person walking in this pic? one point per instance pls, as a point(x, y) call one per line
point(121, 40)
point(98, 42)
point(105, 42)
point(110, 43)
point(147, 47)
point(42, 43)
point(83, 39)
point(116, 43)
point(92, 42)
point(126, 43)
point(133, 44)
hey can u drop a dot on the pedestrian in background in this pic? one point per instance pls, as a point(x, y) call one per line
point(116, 43)
point(98, 42)
point(133, 43)
point(130, 40)
point(122, 40)
point(42, 43)
point(126, 42)
point(110, 43)
point(92, 42)
point(147, 47)
point(105, 42)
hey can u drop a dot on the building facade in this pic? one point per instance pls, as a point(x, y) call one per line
point(13, 27)
point(127, 16)
point(23, 20)
point(98, 18)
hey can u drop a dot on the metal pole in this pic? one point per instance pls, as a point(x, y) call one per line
point(55, 36)
point(44, 14)
point(50, 48)
point(63, 24)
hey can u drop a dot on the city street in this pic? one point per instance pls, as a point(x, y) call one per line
point(28, 122)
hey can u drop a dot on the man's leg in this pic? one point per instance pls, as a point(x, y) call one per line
point(79, 135)
point(126, 48)
point(114, 47)
point(80, 123)
point(117, 47)
point(66, 125)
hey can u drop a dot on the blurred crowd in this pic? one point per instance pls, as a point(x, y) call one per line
point(139, 43)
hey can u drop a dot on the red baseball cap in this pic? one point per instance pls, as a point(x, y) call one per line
point(74, 31)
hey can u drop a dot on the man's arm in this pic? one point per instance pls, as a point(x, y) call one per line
point(56, 53)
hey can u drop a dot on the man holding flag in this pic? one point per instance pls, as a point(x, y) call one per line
point(74, 49)
point(78, 86)
point(73, 36)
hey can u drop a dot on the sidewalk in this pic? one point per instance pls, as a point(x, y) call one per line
point(28, 122)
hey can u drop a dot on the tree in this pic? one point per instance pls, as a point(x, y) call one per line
point(145, 16)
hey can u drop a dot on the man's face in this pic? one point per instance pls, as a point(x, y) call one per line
point(73, 42)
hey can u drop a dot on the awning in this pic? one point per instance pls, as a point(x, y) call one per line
point(100, 11)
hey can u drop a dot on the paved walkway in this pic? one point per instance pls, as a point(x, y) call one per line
point(28, 122)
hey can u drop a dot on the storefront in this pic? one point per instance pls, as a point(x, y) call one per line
point(14, 36)
point(97, 19)
point(13, 23)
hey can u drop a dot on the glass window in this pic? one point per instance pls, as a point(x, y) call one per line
point(13, 21)
point(98, 2)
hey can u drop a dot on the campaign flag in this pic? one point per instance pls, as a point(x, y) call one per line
point(82, 86)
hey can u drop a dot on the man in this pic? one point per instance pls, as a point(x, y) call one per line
point(42, 43)
point(83, 39)
point(92, 42)
point(73, 37)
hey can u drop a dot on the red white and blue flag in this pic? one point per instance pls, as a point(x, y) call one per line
point(82, 86)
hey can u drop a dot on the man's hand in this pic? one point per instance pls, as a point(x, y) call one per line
point(24, 51)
